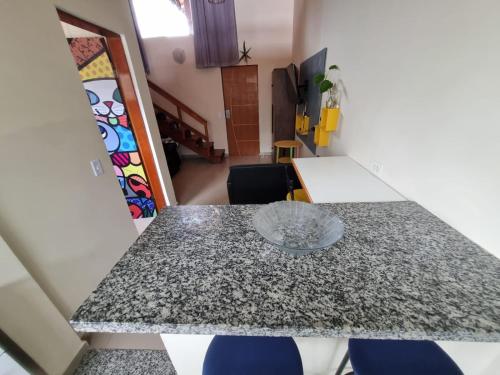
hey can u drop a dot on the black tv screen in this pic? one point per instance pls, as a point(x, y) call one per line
point(293, 78)
point(310, 95)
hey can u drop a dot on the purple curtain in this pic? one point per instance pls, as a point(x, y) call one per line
point(215, 36)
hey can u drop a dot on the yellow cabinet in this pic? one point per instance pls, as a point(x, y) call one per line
point(302, 124)
point(305, 126)
point(329, 119)
point(321, 137)
point(299, 120)
point(316, 135)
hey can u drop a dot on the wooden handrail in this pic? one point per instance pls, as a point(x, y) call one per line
point(181, 107)
point(178, 120)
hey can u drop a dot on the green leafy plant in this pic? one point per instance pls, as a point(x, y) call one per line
point(322, 79)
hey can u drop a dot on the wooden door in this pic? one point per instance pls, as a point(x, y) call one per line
point(241, 104)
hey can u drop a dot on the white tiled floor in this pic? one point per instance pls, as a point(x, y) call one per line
point(8, 366)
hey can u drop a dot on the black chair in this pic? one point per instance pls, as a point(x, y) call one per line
point(173, 158)
point(260, 183)
point(293, 178)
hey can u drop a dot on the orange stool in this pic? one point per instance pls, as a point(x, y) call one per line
point(293, 148)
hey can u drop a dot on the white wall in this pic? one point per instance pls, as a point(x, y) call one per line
point(267, 28)
point(29, 318)
point(66, 226)
point(422, 79)
point(200, 89)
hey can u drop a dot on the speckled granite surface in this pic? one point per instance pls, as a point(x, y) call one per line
point(399, 272)
point(125, 362)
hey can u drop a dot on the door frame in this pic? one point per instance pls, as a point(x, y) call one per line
point(132, 104)
point(224, 100)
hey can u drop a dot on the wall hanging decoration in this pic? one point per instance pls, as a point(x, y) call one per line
point(330, 114)
point(321, 136)
point(179, 55)
point(245, 53)
point(302, 123)
point(326, 85)
point(329, 118)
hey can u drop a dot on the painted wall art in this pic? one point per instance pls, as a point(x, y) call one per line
point(99, 81)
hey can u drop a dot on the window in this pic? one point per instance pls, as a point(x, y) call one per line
point(162, 18)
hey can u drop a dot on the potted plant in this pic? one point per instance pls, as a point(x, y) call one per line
point(325, 85)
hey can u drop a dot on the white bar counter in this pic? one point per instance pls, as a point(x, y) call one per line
point(337, 179)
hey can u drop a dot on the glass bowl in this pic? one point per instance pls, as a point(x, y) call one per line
point(298, 228)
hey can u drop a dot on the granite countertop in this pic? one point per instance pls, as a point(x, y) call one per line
point(399, 272)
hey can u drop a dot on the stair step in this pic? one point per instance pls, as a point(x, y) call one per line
point(217, 155)
point(169, 128)
point(207, 145)
point(193, 146)
point(167, 131)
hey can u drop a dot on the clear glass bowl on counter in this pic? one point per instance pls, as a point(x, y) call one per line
point(298, 228)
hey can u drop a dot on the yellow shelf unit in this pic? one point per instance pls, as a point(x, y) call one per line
point(327, 124)
point(298, 122)
point(316, 135)
point(302, 124)
point(330, 119)
point(321, 137)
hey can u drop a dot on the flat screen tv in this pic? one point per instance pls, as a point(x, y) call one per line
point(310, 103)
point(293, 77)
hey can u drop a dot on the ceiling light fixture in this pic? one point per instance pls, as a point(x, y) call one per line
point(216, 1)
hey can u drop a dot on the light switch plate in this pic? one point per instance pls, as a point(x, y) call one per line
point(377, 168)
point(96, 167)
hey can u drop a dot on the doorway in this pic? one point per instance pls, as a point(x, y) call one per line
point(241, 105)
point(102, 64)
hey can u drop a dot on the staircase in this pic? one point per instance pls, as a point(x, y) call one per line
point(174, 127)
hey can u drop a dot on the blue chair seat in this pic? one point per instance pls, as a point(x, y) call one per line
point(249, 355)
point(407, 357)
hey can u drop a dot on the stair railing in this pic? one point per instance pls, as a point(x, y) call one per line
point(181, 108)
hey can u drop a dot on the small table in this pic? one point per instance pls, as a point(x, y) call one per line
point(292, 146)
point(337, 179)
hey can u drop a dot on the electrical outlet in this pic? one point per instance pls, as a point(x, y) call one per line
point(377, 168)
point(96, 167)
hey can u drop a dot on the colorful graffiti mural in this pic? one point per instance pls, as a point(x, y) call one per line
point(99, 80)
